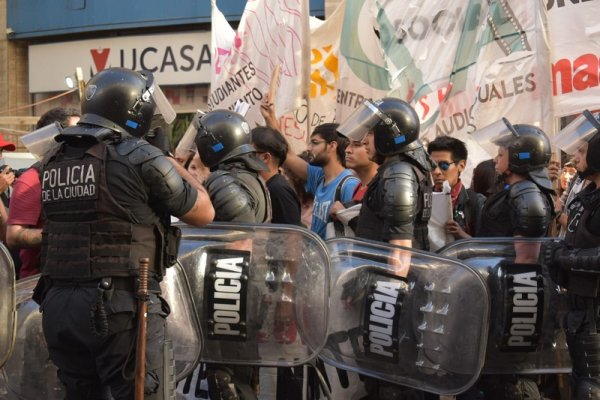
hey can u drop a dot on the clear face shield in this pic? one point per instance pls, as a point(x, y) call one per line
point(42, 141)
point(361, 121)
point(499, 133)
point(580, 131)
point(163, 107)
point(186, 148)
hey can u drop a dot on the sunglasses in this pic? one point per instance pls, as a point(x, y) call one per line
point(445, 165)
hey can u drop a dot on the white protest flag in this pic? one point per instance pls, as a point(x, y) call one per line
point(325, 43)
point(362, 70)
point(464, 66)
point(575, 41)
point(270, 33)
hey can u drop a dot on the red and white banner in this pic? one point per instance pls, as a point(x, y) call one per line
point(575, 41)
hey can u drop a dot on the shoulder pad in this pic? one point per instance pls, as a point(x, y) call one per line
point(231, 201)
point(530, 207)
point(524, 186)
point(398, 168)
point(97, 132)
point(137, 151)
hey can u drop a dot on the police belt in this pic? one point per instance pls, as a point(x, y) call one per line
point(120, 283)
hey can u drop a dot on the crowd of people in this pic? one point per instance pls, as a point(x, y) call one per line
point(85, 234)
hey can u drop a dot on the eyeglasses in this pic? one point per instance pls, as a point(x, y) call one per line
point(445, 165)
point(316, 142)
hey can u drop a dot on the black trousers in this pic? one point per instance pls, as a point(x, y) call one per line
point(93, 367)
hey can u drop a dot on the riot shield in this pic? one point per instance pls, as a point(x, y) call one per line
point(7, 304)
point(525, 334)
point(284, 317)
point(260, 292)
point(427, 329)
point(29, 374)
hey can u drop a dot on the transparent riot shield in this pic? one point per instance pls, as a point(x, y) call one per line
point(426, 329)
point(7, 304)
point(260, 292)
point(525, 334)
point(30, 375)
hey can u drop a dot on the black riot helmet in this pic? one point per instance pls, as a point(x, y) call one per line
point(528, 147)
point(124, 101)
point(583, 129)
point(221, 136)
point(394, 123)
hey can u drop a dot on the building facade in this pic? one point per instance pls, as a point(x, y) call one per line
point(43, 43)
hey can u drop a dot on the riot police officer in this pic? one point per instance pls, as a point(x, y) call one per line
point(522, 208)
point(397, 204)
point(390, 129)
point(108, 195)
point(239, 194)
point(576, 260)
point(234, 185)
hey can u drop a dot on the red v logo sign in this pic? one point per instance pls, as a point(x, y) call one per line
point(100, 58)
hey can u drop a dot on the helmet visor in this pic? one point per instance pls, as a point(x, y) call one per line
point(577, 133)
point(42, 141)
point(187, 145)
point(499, 133)
point(163, 106)
point(361, 121)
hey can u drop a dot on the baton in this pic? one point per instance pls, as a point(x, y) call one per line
point(140, 354)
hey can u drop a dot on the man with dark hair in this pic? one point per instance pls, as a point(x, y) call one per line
point(25, 223)
point(450, 156)
point(272, 148)
point(325, 175)
point(64, 116)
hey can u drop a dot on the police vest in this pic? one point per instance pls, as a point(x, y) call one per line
point(581, 211)
point(371, 217)
point(88, 235)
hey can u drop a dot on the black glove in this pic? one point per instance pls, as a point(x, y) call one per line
point(551, 251)
point(158, 138)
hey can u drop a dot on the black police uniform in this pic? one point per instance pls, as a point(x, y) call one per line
point(521, 209)
point(397, 206)
point(107, 204)
point(397, 203)
point(579, 263)
point(238, 194)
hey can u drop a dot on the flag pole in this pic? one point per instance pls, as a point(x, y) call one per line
point(307, 54)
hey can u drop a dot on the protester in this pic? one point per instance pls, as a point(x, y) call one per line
point(25, 221)
point(112, 212)
point(450, 156)
point(325, 176)
point(365, 169)
point(7, 177)
point(306, 199)
point(272, 148)
point(485, 180)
